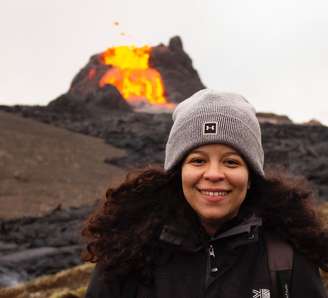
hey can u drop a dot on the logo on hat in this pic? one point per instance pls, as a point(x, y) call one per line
point(210, 128)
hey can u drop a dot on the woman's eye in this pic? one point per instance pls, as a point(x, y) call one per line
point(197, 161)
point(232, 162)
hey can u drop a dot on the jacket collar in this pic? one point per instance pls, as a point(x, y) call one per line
point(244, 232)
point(245, 227)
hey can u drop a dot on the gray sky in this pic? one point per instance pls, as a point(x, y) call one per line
point(275, 53)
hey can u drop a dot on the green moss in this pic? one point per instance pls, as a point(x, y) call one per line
point(67, 293)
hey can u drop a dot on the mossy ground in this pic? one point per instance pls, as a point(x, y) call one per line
point(70, 283)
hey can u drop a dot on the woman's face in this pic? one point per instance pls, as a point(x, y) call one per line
point(215, 179)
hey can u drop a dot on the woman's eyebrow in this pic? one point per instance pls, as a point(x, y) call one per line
point(197, 152)
point(231, 153)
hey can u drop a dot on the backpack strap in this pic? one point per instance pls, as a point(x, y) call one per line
point(280, 259)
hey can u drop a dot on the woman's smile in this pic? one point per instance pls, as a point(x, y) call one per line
point(213, 195)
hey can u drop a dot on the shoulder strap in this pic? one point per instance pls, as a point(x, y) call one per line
point(280, 259)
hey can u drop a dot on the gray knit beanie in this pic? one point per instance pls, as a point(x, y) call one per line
point(210, 117)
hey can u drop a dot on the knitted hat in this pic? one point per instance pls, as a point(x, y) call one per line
point(210, 117)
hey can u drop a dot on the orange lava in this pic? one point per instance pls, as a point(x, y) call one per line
point(132, 76)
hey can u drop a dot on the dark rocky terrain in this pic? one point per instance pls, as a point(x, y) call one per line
point(47, 170)
point(34, 246)
point(300, 148)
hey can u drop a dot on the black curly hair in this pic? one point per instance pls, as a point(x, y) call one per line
point(122, 233)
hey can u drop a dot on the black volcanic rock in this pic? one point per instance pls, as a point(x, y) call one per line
point(180, 79)
point(301, 149)
point(67, 103)
point(32, 246)
point(97, 103)
point(85, 93)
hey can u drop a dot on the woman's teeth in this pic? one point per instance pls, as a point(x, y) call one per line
point(214, 193)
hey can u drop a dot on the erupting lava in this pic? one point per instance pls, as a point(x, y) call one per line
point(131, 75)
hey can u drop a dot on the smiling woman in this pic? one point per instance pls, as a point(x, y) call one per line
point(215, 179)
point(203, 226)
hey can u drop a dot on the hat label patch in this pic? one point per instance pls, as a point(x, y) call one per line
point(210, 128)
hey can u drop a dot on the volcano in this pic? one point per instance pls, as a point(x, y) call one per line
point(132, 78)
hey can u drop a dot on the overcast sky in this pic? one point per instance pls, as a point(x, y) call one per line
point(275, 53)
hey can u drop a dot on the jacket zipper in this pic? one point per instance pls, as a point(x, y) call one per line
point(213, 266)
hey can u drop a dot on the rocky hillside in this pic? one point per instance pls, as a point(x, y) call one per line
point(302, 149)
point(43, 167)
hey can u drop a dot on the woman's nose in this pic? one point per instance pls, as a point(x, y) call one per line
point(214, 172)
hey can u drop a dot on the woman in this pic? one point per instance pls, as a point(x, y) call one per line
point(199, 228)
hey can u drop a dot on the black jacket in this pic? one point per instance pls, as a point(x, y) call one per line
point(232, 264)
